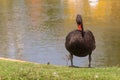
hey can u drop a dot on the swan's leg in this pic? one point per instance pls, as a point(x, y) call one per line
point(89, 60)
point(71, 59)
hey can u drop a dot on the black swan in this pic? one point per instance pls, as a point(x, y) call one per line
point(79, 42)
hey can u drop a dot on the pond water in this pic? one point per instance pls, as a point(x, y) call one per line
point(35, 30)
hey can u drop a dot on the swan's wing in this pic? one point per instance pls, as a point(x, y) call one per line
point(89, 39)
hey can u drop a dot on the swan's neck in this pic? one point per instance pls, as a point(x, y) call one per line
point(80, 27)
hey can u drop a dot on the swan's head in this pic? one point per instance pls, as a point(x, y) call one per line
point(79, 22)
point(79, 19)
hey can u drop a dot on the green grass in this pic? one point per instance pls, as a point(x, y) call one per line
point(10, 70)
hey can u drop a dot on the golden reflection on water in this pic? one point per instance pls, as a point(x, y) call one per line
point(71, 5)
point(100, 10)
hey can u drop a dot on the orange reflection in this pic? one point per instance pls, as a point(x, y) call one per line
point(34, 11)
point(100, 11)
point(71, 8)
point(3, 2)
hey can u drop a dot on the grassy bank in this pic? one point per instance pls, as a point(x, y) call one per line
point(10, 70)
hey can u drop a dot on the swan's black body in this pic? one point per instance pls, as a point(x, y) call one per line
point(79, 42)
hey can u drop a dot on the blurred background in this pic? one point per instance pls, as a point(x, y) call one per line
point(35, 30)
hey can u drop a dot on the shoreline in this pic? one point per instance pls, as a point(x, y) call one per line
point(9, 59)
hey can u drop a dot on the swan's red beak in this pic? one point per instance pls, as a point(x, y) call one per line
point(80, 27)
